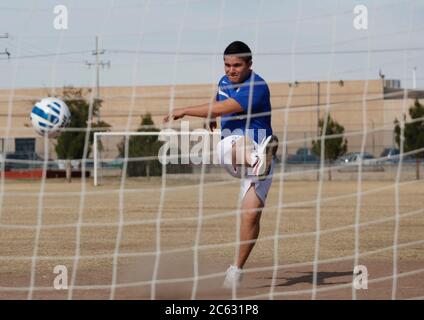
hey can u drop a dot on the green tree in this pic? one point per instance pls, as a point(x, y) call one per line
point(70, 144)
point(413, 133)
point(334, 147)
point(143, 146)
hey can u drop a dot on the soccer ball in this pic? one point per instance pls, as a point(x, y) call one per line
point(49, 116)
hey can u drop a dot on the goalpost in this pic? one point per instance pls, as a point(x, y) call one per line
point(185, 151)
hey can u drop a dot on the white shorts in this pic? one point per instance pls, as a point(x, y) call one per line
point(225, 152)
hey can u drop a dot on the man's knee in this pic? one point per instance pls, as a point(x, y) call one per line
point(252, 216)
point(238, 151)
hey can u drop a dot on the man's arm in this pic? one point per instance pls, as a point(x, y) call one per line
point(212, 123)
point(217, 109)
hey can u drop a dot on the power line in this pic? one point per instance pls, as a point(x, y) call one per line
point(21, 48)
point(199, 53)
point(5, 36)
point(49, 55)
point(98, 63)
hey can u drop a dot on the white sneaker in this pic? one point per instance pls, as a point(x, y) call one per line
point(266, 151)
point(233, 277)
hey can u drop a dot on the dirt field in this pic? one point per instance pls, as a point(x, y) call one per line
point(116, 234)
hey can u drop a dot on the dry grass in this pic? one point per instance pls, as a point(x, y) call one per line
point(179, 206)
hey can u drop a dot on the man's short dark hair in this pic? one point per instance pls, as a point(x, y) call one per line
point(239, 49)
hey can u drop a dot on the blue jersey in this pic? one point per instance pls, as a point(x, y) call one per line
point(253, 96)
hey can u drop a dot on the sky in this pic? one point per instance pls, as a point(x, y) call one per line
point(163, 42)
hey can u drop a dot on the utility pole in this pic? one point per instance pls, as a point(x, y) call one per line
point(98, 63)
point(5, 36)
point(382, 76)
point(414, 78)
point(318, 103)
point(373, 137)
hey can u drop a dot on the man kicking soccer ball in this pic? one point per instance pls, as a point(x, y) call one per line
point(247, 144)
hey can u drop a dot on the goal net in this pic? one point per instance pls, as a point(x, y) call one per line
point(151, 214)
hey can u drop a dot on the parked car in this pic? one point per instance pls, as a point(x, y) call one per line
point(75, 164)
point(303, 156)
point(19, 161)
point(392, 155)
point(355, 158)
point(116, 163)
point(343, 159)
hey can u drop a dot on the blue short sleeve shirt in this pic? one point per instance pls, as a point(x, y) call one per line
point(254, 97)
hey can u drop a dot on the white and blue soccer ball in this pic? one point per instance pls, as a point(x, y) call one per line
point(49, 116)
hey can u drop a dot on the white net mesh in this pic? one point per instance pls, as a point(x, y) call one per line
point(128, 226)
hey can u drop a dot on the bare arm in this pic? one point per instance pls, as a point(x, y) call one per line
point(217, 109)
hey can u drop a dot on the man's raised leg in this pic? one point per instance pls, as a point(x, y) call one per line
point(260, 160)
point(243, 153)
